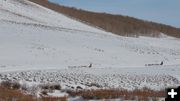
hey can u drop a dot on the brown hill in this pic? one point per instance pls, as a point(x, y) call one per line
point(118, 24)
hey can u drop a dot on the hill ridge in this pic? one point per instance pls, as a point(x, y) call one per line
point(118, 24)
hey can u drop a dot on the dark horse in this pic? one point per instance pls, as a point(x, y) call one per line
point(161, 63)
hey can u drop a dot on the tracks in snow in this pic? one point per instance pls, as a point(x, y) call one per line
point(47, 27)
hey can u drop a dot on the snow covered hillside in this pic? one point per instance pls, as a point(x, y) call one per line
point(34, 38)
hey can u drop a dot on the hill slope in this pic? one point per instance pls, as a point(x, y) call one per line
point(118, 24)
point(38, 45)
point(51, 39)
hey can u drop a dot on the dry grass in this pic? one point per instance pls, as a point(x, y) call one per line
point(143, 94)
point(53, 99)
point(9, 94)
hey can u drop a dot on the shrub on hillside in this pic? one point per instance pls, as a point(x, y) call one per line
point(51, 86)
point(10, 84)
point(142, 94)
